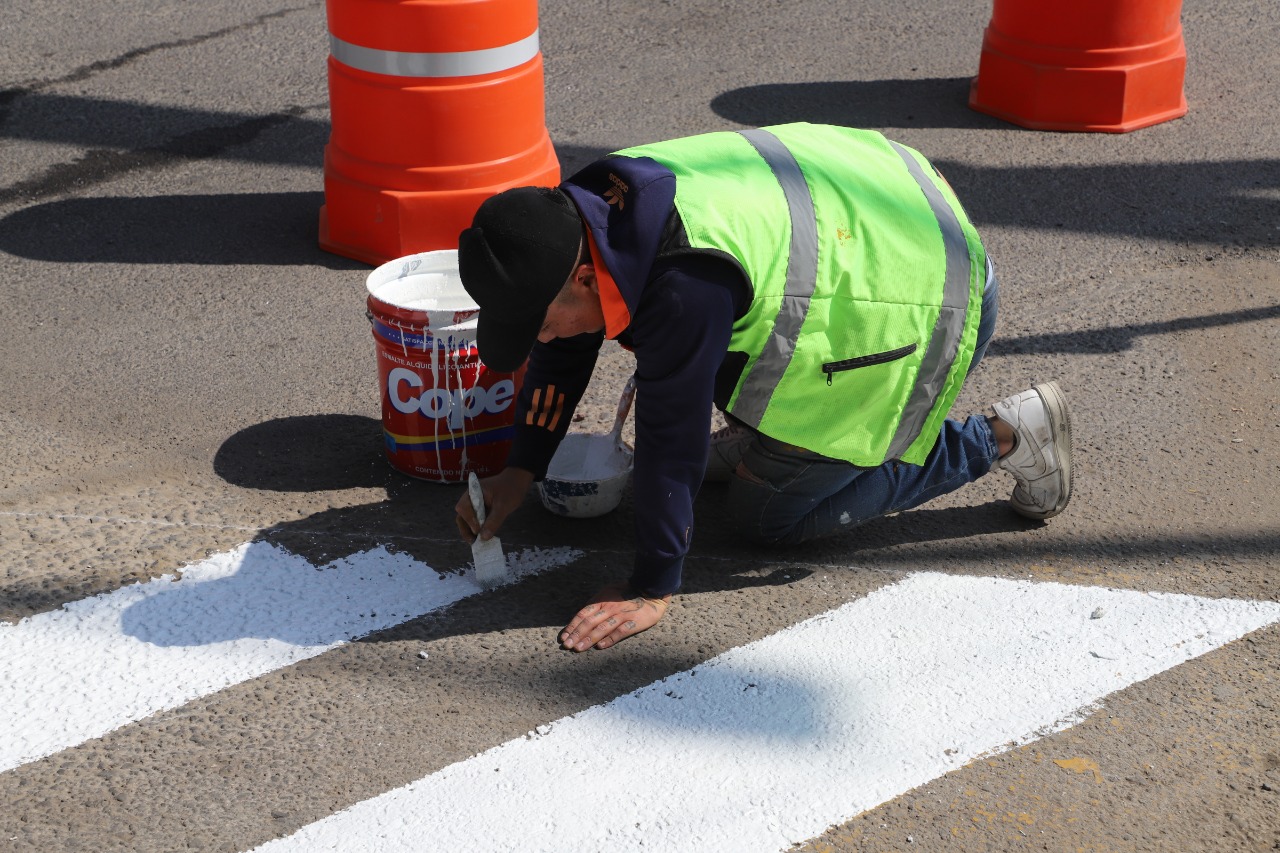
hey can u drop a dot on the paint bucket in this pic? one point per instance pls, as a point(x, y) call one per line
point(444, 413)
point(588, 473)
point(577, 489)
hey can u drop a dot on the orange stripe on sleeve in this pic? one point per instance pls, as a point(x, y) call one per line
point(533, 409)
point(559, 410)
point(546, 409)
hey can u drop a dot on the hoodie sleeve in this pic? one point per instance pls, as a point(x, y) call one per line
point(680, 334)
point(554, 383)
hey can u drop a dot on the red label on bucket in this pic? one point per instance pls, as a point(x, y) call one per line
point(444, 413)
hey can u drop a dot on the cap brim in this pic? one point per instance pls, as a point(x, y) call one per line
point(505, 344)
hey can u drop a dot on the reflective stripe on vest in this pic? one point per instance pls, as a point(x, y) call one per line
point(802, 279)
point(801, 282)
point(464, 63)
point(945, 340)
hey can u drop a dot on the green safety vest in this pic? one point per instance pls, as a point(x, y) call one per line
point(867, 278)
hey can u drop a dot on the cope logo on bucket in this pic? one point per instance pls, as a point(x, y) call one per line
point(446, 416)
point(452, 405)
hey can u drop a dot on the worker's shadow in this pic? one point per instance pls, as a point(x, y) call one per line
point(375, 516)
point(372, 508)
point(342, 457)
point(340, 453)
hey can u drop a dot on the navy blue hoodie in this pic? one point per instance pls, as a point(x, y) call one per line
point(674, 308)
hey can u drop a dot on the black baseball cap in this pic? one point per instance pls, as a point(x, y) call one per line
point(516, 256)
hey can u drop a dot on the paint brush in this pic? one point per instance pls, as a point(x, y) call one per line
point(491, 563)
point(603, 448)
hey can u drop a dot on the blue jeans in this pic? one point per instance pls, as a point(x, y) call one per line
point(794, 495)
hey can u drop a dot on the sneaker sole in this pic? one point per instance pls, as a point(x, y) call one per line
point(1055, 403)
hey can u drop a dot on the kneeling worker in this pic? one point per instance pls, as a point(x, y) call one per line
point(822, 286)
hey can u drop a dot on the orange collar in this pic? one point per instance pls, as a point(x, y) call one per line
point(616, 314)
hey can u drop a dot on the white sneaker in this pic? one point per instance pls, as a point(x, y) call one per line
point(728, 444)
point(1041, 456)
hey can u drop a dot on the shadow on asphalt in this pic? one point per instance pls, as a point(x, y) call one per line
point(1113, 339)
point(316, 453)
point(214, 230)
point(328, 453)
point(1229, 203)
point(929, 102)
point(334, 452)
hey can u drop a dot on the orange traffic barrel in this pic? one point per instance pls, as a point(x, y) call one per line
point(435, 105)
point(1091, 65)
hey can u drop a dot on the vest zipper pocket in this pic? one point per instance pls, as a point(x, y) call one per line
point(833, 367)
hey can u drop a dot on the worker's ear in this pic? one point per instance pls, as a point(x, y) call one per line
point(585, 276)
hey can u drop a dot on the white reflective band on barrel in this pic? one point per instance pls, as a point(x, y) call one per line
point(802, 277)
point(465, 63)
point(947, 332)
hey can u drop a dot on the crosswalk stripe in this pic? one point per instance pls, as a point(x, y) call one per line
point(98, 664)
point(770, 743)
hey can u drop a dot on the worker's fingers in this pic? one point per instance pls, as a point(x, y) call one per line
point(579, 626)
point(503, 493)
point(468, 524)
point(590, 624)
point(464, 529)
point(503, 504)
point(635, 616)
point(617, 613)
point(495, 513)
point(621, 630)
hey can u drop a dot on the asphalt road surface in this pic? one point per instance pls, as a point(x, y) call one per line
point(189, 390)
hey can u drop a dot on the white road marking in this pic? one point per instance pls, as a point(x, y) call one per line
point(771, 743)
point(95, 665)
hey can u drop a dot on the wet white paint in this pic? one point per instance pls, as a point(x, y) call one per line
point(583, 457)
point(770, 744)
point(101, 663)
point(428, 282)
point(428, 292)
point(587, 476)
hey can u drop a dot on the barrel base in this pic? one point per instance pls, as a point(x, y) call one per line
point(375, 225)
point(1105, 100)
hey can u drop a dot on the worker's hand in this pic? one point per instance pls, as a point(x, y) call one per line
point(615, 613)
point(503, 494)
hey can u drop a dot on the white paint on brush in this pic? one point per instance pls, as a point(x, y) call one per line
point(95, 665)
point(771, 743)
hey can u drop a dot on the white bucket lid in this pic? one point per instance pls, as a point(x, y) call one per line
point(426, 283)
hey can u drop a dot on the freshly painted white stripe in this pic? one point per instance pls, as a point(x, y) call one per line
point(462, 63)
point(771, 743)
point(101, 663)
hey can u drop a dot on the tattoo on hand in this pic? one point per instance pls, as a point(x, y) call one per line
point(639, 602)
